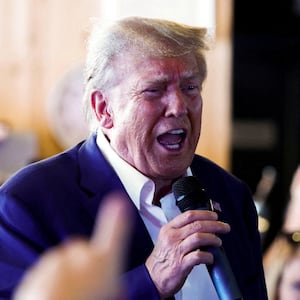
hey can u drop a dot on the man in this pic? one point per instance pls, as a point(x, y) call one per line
point(143, 101)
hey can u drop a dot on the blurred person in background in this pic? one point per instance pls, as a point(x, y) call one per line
point(143, 101)
point(17, 149)
point(282, 259)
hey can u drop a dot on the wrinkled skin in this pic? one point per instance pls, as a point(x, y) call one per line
point(174, 254)
point(151, 97)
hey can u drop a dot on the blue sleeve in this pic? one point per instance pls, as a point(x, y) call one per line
point(138, 284)
point(17, 251)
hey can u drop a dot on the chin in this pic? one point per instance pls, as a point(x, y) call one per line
point(175, 172)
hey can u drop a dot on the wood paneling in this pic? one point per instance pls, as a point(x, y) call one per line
point(41, 39)
point(215, 141)
point(39, 42)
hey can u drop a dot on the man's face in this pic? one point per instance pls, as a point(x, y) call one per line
point(156, 109)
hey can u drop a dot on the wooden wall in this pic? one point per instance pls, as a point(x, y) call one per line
point(215, 141)
point(41, 39)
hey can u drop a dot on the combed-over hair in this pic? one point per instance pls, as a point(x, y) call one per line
point(142, 36)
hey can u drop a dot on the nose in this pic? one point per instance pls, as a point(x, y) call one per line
point(176, 104)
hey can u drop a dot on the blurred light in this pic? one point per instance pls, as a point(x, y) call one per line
point(263, 225)
point(296, 237)
point(192, 12)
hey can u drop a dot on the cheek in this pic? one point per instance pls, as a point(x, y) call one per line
point(200, 107)
point(145, 118)
point(133, 130)
point(197, 119)
point(196, 106)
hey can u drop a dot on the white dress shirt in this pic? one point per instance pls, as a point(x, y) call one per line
point(140, 189)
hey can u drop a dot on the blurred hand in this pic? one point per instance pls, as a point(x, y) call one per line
point(177, 249)
point(82, 269)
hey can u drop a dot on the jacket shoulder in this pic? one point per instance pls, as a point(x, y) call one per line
point(207, 170)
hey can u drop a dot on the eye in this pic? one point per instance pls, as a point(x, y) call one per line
point(154, 91)
point(191, 89)
point(150, 94)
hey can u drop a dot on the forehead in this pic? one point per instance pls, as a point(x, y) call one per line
point(159, 68)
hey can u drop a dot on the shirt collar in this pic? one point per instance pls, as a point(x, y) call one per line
point(135, 183)
point(132, 180)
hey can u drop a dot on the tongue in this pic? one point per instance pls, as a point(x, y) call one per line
point(169, 139)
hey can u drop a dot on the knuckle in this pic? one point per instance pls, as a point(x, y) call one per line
point(196, 226)
point(189, 215)
point(204, 257)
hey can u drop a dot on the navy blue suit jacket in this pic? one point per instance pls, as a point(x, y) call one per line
point(50, 201)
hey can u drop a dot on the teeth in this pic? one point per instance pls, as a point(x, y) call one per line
point(176, 131)
point(176, 146)
point(172, 139)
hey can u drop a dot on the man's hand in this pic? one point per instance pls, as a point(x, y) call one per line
point(177, 249)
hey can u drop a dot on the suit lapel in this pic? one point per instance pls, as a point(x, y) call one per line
point(97, 178)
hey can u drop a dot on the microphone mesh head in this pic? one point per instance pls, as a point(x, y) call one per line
point(184, 185)
point(189, 195)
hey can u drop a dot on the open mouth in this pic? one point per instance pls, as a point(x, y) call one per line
point(172, 140)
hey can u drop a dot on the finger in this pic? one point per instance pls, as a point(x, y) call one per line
point(207, 226)
point(113, 223)
point(191, 216)
point(198, 227)
point(111, 231)
point(197, 257)
point(199, 240)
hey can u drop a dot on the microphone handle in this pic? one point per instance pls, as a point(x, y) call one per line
point(190, 196)
point(220, 270)
point(222, 276)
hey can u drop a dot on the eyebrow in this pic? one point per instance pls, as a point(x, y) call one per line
point(164, 79)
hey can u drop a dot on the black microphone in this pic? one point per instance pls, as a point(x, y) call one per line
point(190, 195)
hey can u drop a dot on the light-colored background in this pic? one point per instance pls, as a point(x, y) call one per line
point(42, 46)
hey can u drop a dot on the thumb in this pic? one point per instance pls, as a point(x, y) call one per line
point(112, 226)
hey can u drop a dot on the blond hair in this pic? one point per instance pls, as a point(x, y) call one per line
point(141, 36)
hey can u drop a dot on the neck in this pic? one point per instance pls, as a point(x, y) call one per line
point(160, 193)
point(162, 188)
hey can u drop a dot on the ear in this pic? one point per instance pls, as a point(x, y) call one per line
point(100, 107)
